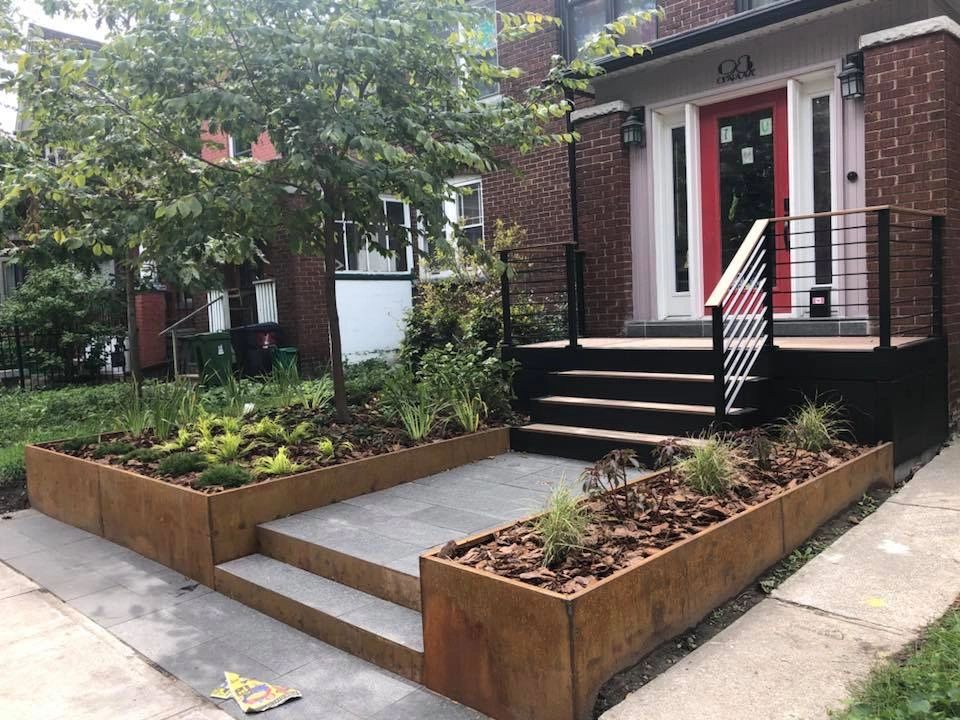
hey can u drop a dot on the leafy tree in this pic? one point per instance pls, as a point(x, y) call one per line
point(360, 98)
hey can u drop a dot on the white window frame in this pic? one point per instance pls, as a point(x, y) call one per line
point(451, 209)
point(407, 221)
point(232, 149)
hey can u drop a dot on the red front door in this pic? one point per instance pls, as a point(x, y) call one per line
point(744, 156)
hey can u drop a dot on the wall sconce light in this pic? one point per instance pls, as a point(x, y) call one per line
point(633, 132)
point(851, 77)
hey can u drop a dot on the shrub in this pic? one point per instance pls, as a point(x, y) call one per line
point(418, 411)
point(144, 455)
point(316, 395)
point(279, 464)
point(66, 310)
point(227, 448)
point(13, 471)
point(112, 448)
point(709, 467)
point(75, 445)
point(228, 476)
point(365, 379)
point(562, 526)
point(609, 475)
point(470, 369)
point(815, 426)
point(181, 463)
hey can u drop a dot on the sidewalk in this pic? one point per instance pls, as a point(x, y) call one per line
point(797, 655)
point(56, 663)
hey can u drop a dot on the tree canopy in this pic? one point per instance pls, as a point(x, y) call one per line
point(359, 98)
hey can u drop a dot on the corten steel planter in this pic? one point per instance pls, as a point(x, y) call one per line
point(518, 652)
point(191, 531)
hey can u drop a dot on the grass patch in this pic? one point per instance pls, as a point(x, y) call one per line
point(924, 685)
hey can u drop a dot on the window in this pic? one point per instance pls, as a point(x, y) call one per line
point(681, 243)
point(585, 18)
point(11, 275)
point(822, 191)
point(744, 5)
point(241, 143)
point(469, 211)
point(378, 253)
point(487, 45)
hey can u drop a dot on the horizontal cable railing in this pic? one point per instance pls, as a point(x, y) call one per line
point(541, 293)
point(881, 267)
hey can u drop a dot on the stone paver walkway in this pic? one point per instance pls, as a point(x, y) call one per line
point(57, 664)
point(797, 655)
point(195, 633)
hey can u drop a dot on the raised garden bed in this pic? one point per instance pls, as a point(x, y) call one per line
point(192, 531)
point(515, 650)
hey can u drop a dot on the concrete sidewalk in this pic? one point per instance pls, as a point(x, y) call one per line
point(798, 655)
point(56, 664)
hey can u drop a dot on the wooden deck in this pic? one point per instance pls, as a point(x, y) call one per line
point(822, 344)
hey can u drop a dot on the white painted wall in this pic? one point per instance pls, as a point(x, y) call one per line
point(371, 315)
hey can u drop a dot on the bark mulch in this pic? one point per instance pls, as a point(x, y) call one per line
point(636, 522)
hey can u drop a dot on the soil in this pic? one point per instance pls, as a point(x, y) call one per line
point(366, 435)
point(13, 498)
point(674, 650)
point(634, 522)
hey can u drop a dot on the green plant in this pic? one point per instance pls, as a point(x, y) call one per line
point(232, 397)
point(115, 447)
point(469, 412)
point(13, 471)
point(365, 379)
point(316, 395)
point(815, 425)
point(272, 430)
point(181, 463)
point(228, 423)
point(144, 455)
point(182, 441)
point(171, 405)
point(228, 476)
point(285, 383)
point(419, 411)
point(326, 448)
point(134, 414)
point(922, 686)
point(279, 464)
point(75, 445)
point(469, 369)
point(608, 476)
point(562, 526)
point(709, 466)
point(227, 448)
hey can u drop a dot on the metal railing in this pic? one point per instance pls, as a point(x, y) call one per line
point(880, 268)
point(541, 293)
point(741, 308)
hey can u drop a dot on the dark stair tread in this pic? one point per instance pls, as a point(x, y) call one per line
point(625, 375)
point(598, 434)
point(378, 617)
point(637, 405)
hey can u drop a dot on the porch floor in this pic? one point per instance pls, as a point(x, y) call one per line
point(839, 344)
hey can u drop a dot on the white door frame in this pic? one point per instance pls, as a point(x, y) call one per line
point(802, 86)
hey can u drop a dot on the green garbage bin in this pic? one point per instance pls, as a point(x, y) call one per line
point(214, 353)
point(284, 358)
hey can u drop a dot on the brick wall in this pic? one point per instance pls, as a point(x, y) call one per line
point(603, 179)
point(912, 116)
point(683, 15)
point(151, 310)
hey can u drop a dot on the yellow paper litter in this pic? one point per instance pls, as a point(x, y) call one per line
point(253, 695)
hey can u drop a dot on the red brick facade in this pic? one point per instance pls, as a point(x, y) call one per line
point(683, 15)
point(913, 149)
point(151, 310)
point(603, 179)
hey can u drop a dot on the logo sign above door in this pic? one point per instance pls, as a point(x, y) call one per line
point(733, 70)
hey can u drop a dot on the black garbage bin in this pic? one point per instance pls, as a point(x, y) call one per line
point(254, 345)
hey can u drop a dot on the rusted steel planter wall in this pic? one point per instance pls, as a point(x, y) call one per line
point(517, 652)
point(191, 531)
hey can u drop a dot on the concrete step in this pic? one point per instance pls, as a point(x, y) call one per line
point(373, 629)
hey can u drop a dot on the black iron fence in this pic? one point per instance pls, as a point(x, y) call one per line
point(541, 291)
point(40, 359)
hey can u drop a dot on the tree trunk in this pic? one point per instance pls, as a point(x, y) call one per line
point(333, 320)
point(133, 333)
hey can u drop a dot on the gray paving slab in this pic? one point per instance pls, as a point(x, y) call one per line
point(400, 624)
point(47, 531)
point(160, 635)
point(13, 543)
point(118, 604)
point(409, 564)
point(202, 667)
point(345, 681)
point(304, 587)
point(464, 521)
point(412, 532)
point(391, 505)
point(780, 661)
point(899, 568)
point(275, 645)
point(423, 704)
point(937, 485)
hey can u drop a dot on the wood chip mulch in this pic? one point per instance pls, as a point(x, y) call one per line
point(654, 514)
